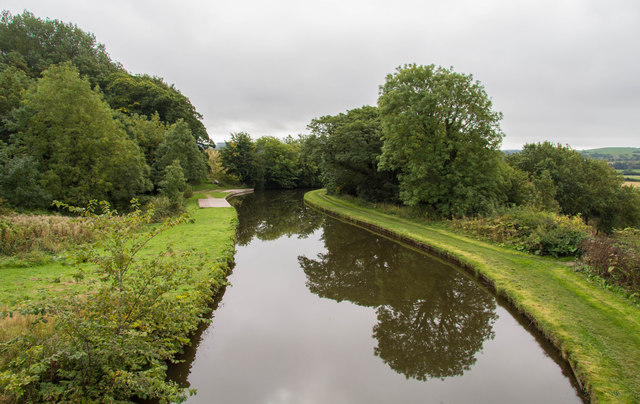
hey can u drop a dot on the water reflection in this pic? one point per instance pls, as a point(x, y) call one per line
point(270, 215)
point(404, 318)
point(432, 319)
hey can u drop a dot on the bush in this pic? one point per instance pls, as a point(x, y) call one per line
point(111, 345)
point(163, 208)
point(528, 229)
point(615, 259)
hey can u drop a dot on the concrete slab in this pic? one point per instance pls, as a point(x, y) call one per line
point(222, 202)
point(213, 203)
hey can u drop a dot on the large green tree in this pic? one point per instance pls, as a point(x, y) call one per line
point(239, 158)
point(442, 135)
point(179, 144)
point(351, 146)
point(42, 43)
point(82, 151)
point(278, 161)
point(147, 96)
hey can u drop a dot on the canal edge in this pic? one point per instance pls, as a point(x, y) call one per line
point(467, 267)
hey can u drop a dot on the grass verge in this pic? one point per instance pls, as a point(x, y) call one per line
point(596, 330)
point(212, 232)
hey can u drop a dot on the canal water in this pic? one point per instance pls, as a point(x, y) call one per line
point(320, 311)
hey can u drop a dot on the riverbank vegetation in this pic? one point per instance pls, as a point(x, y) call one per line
point(76, 126)
point(95, 300)
point(101, 322)
point(596, 330)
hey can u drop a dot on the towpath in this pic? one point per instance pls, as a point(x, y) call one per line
point(211, 202)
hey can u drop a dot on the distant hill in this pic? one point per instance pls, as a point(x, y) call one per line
point(613, 153)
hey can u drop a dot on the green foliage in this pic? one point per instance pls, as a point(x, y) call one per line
point(112, 344)
point(441, 134)
point(578, 185)
point(529, 229)
point(239, 158)
point(147, 133)
point(306, 147)
point(173, 184)
point(179, 144)
point(81, 150)
point(350, 146)
point(145, 95)
point(615, 258)
point(42, 43)
point(278, 161)
point(20, 180)
point(13, 86)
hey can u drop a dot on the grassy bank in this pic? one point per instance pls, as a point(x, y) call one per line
point(212, 231)
point(596, 330)
point(127, 330)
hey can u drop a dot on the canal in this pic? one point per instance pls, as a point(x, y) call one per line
point(320, 311)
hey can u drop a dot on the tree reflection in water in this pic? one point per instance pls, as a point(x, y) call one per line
point(269, 215)
point(432, 319)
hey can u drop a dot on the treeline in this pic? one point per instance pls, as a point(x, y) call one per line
point(433, 143)
point(76, 126)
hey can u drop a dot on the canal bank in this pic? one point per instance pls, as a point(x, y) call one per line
point(322, 311)
point(597, 331)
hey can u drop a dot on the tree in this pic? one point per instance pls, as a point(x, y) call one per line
point(239, 158)
point(352, 143)
point(43, 43)
point(83, 153)
point(20, 180)
point(173, 183)
point(278, 161)
point(441, 134)
point(180, 144)
point(147, 132)
point(13, 86)
point(145, 95)
point(578, 185)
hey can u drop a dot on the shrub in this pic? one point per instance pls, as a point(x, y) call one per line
point(163, 208)
point(616, 259)
point(112, 345)
point(529, 229)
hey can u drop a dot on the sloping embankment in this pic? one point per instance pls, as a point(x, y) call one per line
point(597, 331)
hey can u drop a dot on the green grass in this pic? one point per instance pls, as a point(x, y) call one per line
point(596, 330)
point(212, 233)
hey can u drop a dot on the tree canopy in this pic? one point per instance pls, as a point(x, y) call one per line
point(81, 150)
point(37, 44)
point(351, 144)
point(441, 134)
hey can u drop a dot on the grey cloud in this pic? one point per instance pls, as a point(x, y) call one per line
point(565, 71)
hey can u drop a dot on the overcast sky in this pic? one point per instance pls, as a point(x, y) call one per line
point(567, 71)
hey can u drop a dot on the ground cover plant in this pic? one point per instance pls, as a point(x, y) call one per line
point(596, 330)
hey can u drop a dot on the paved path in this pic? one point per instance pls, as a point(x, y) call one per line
point(222, 202)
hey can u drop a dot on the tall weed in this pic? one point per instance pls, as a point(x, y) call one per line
point(21, 234)
point(616, 259)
